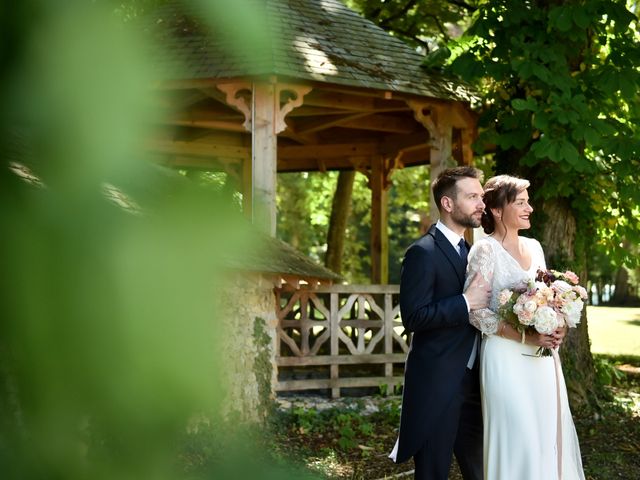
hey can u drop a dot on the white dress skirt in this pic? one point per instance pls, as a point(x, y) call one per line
point(529, 433)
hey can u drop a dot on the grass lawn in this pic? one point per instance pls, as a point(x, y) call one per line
point(614, 330)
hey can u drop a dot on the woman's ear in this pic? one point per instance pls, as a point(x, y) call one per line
point(496, 212)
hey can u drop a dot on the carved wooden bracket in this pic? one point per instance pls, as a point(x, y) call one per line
point(389, 165)
point(239, 102)
point(297, 93)
point(424, 113)
point(238, 95)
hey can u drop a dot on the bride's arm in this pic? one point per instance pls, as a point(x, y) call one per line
point(481, 261)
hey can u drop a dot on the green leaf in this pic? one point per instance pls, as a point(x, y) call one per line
point(541, 120)
point(561, 18)
point(581, 18)
point(541, 148)
point(520, 104)
point(464, 66)
point(591, 136)
point(540, 71)
point(569, 153)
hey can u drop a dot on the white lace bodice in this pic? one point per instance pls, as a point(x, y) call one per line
point(500, 270)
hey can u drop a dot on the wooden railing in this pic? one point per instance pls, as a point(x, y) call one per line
point(343, 336)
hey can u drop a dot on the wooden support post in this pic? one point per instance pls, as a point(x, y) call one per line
point(264, 153)
point(334, 325)
point(379, 222)
point(441, 154)
point(388, 340)
point(247, 191)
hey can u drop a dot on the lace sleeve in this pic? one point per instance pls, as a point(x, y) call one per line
point(481, 262)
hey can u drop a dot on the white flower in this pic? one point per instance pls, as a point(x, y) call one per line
point(524, 317)
point(572, 311)
point(504, 296)
point(561, 286)
point(530, 306)
point(545, 320)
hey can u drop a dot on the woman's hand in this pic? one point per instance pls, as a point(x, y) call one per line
point(559, 335)
point(541, 340)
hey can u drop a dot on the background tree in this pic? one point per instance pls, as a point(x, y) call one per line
point(425, 24)
point(559, 83)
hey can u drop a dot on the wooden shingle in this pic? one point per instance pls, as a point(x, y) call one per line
point(318, 40)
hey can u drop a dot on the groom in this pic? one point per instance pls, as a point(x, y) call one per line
point(441, 412)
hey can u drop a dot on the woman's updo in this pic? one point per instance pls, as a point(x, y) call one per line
point(499, 191)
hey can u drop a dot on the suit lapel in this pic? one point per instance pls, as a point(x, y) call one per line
point(457, 263)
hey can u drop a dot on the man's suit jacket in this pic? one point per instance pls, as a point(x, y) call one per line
point(434, 310)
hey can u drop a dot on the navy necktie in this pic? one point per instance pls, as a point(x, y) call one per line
point(464, 251)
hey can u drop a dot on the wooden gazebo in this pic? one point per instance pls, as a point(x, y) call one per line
point(331, 91)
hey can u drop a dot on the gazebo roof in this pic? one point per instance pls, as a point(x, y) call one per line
point(279, 258)
point(317, 40)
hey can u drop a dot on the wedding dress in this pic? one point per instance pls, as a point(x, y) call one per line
point(522, 395)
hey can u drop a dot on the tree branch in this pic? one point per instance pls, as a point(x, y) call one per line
point(403, 11)
point(439, 25)
point(462, 4)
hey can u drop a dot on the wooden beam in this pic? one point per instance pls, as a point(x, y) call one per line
point(227, 126)
point(379, 223)
point(197, 149)
point(327, 151)
point(309, 111)
point(322, 165)
point(201, 163)
point(324, 98)
point(413, 156)
point(311, 126)
point(341, 359)
point(382, 123)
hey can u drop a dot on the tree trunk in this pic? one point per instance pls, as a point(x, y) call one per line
point(559, 232)
point(621, 293)
point(340, 209)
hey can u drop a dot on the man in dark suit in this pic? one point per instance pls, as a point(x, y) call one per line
point(441, 411)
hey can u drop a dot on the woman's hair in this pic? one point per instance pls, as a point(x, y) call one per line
point(499, 191)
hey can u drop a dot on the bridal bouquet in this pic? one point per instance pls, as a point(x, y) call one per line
point(554, 299)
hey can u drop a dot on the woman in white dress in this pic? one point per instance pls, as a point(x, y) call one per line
point(528, 430)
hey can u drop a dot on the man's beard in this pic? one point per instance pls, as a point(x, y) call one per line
point(466, 221)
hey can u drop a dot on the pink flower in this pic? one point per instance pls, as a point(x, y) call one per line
point(571, 277)
point(581, 291)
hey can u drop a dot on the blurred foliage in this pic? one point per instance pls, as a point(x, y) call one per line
point(108, 336)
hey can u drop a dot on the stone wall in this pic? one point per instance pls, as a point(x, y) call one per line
point(247, 317)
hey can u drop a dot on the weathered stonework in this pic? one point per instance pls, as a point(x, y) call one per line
point(247, 311)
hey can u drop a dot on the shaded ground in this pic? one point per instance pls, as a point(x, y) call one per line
point(347, 443)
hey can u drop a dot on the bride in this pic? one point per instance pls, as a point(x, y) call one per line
point(528, 430)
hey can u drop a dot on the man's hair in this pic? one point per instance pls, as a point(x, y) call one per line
point(445, 184)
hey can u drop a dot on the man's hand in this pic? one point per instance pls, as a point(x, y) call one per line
point(478, 293)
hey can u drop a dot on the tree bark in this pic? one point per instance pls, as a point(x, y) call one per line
point(558, 238)
point(621, 293)
point(340, 210)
